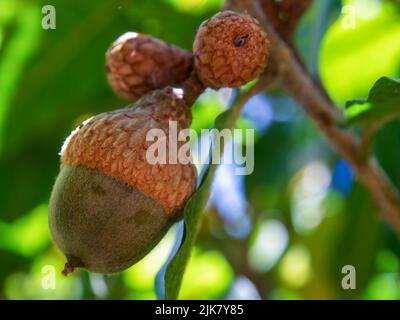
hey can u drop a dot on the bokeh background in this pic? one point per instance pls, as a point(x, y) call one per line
point(284, 232)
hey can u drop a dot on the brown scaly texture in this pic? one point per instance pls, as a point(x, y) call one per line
point(230, 49)
point(115, 142)
point(285, 15)
point(138, 63)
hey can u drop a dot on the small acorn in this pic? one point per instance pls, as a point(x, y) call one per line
point(138, 63)
point(230, 49)
point(110, 206)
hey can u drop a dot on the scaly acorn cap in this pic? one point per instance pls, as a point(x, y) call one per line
point(115, 143)
point(230, 49)
point(138, 63)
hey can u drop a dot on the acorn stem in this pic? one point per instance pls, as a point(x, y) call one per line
point(68, 268)
point(192, 89)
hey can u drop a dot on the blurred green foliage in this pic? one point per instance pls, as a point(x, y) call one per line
point(307, 218)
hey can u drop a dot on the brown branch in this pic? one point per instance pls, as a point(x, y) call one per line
point(192, 89)
point(321, 110)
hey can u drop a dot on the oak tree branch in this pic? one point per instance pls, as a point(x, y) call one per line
point(315, 102)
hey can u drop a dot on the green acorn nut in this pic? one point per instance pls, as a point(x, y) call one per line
point(110, 206)
point(101, 223)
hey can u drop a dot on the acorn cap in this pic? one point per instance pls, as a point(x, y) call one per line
point(115, 143)
point(138, 63)
point(230, 49)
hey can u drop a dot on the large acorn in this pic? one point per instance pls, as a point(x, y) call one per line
point(110, 205)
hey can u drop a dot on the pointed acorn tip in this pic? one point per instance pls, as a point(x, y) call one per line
point(68, 268)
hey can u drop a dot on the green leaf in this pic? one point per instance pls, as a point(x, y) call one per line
point(172, 273)
point(176, 268)
point(383, 103)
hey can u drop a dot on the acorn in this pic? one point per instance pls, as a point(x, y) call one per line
point(110, 205)
point(138, 63)
point(230, 49)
